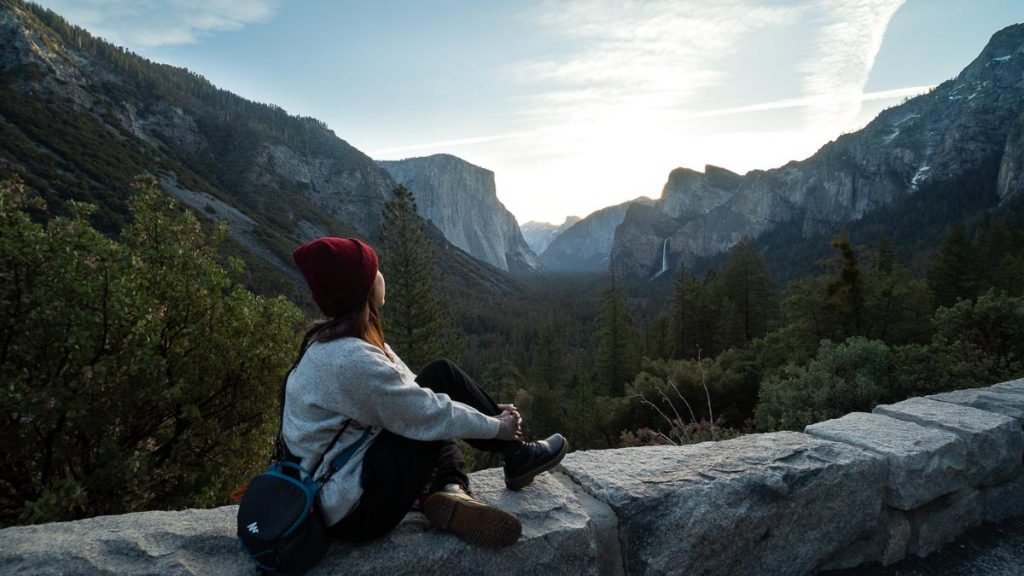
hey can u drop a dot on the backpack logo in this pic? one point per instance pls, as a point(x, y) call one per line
point(253, 528)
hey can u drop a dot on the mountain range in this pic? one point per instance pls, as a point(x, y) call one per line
point(950, 153)
point(80, 118)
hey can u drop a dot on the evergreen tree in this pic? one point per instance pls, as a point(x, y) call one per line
point(685, 290)
point(547, 376)
point(137, 373)
point(956, 273)
point(845, 290)
point(416, 325)
point(745, 283)
point(618, 345)
point(707, 310)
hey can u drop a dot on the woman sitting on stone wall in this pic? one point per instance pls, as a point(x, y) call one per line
point(397, 429)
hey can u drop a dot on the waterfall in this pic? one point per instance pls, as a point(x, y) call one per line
point(664, 258)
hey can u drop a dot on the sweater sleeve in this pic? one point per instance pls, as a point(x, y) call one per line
point(378, 393)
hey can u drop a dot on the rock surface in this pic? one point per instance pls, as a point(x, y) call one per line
point(782, 503)
point(994, 442)
point(924, 463)
point(1005, 401)
point(462, 201)
point(941, 521)
point(586, 245)
point(564, 532)
point(539, 235)
point(1005, 500)
point(734, 507)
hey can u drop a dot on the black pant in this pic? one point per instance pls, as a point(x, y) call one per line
point(396, 469)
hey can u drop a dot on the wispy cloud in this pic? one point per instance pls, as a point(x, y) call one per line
point(847, 41)
point(636, 58)
point(147, 23)
point(822, 101)
point(455, 143)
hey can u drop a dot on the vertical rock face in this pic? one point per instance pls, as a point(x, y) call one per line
point(963, 126)
point(460, 199)
point(540, 235)
point(585, 246)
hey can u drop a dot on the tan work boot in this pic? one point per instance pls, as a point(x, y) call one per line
point(478, 523)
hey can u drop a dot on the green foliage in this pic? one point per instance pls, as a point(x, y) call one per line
point(726, 309)
point(879, 301)
point(618, 345)
point(956, 273)
point(745, 284)
point(416, 325)
point(974, 344)
point(842, 378)
point(993, 326)
point(136, 373)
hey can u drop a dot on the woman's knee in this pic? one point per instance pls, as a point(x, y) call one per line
point(441, 369)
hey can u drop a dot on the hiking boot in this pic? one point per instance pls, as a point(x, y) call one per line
point(478, 523)
point(529, 459)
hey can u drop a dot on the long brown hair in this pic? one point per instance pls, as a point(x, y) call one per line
point(363, 323)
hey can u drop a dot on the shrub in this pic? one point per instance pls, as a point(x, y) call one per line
point(135, 373)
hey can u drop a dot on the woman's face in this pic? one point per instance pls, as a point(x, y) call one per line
point(377, 292)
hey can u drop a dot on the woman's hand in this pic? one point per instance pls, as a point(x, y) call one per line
point(512, 409)
point(509, 428)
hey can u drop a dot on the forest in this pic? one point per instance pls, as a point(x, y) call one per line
point(142, 372)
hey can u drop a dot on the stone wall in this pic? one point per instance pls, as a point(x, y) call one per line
point(903, 480)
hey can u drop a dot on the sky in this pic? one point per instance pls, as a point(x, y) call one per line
point(574, 104)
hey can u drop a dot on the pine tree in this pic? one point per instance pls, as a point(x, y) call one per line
point(955, 274)
point(416, 325)
point(706, 311)
point(846, 290)
point(681, 332)
point(618, 348)
point(547, 377)
point(745, 283)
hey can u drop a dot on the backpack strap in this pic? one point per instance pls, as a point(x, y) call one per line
point(339, 462)
point(281, 452)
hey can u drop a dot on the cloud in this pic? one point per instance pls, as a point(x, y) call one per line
point(455, 143)
point(821, 101)
point(149, 23)
point(635, 58)
point(836, 70)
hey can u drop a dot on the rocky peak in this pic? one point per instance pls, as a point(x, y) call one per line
point(539, 235)
point(461, 200)
point(689, 193)
point(586, 244)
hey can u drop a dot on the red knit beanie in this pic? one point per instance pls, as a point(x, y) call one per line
point(340, 272)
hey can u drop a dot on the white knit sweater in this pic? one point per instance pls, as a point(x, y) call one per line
point(351, 378)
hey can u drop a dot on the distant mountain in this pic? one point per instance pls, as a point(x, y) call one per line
point(461, 200)
point(584, 246)
point(539, 235)
point(932, 160)
point(79, 118)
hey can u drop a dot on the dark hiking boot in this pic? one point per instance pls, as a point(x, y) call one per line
point(478, 523)
point(529, 459)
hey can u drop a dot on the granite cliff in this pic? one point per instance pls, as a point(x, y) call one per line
point(461, 200)
point(967, 132)
point(584, 246)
